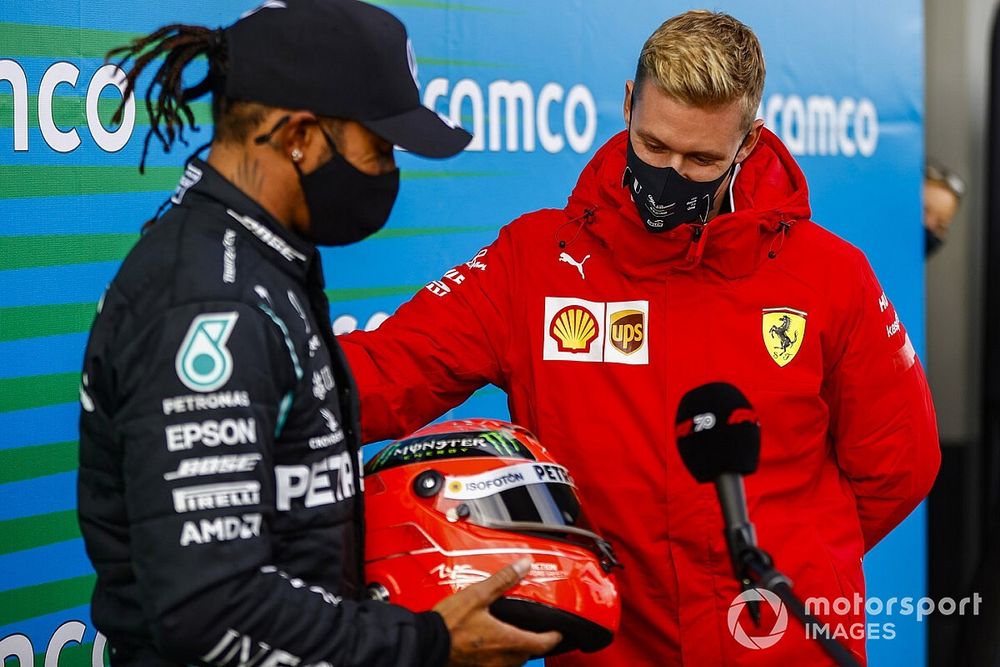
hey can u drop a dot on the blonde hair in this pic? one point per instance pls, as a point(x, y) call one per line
point(705, 59)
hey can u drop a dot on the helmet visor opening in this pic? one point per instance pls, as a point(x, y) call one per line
point(528, 498)
point(536, 493)
point(545, 504)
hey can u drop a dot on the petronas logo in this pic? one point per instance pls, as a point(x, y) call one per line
point(203, 361)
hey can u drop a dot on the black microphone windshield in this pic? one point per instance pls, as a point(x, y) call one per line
point(717, 432)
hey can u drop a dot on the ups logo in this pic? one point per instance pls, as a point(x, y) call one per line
point(627, 330)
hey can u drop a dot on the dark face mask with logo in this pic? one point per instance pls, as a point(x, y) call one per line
point(345, 204)
point(664, 198)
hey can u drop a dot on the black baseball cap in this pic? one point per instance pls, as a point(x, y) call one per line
point(341, 59)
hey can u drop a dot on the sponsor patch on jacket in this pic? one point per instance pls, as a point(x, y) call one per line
point(216, 496)
point(268, 237)
point(574, 329)
point(610, 332)
point(217, 464)
point(626, 333)
point(189, 179)
point(783, 330)
point(211, 433)
point(325, 482)
point(203, 362)
point(221, 529)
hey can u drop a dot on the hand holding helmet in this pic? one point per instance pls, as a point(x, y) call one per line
point(477, 637)
point(454, 503)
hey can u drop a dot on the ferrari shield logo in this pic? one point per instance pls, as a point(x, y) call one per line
point(784, 329)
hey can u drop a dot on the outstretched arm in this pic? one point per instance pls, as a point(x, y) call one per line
point(441, 346)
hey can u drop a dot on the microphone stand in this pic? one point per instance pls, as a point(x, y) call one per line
point(755, 568)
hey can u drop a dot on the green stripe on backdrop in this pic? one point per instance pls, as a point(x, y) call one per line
point(38, 461)
point(358, 293)
point(35, 391)
point(20, 252)
point(30, 532)
point(20, 322)
point(27, 39)
point(71, 111)
point(32, 601)
point(403, 232)
point(23, 181)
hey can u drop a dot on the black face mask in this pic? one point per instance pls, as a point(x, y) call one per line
point(345, 204)
point(664, 198)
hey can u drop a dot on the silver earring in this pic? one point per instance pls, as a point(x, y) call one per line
point(296, 155)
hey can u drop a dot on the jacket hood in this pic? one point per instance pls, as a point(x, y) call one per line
point(769, 194)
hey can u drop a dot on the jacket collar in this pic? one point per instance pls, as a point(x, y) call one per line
point(282, 247)
point(768, 194)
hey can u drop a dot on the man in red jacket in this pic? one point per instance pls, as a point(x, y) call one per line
point(684, 256)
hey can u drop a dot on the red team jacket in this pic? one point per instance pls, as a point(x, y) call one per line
point(596, 342)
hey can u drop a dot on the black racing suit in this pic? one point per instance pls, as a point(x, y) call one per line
point(220, 490)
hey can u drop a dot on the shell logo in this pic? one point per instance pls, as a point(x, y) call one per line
point(574, 328)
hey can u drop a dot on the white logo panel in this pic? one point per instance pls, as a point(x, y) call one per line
point(626, 333)
point(487, 484)
point(573, 330)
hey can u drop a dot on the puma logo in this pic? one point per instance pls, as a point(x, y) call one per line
point(564, 257)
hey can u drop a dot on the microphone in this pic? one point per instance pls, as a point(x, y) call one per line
point(718, 436)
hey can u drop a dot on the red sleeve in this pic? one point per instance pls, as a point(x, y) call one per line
point(882, 418)
point(440, 347)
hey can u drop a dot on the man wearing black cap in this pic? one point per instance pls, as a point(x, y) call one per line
point(220, 475)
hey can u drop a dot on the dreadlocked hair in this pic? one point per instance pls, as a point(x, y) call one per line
point(169, 110)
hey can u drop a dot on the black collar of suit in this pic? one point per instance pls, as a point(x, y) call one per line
point(202, 184)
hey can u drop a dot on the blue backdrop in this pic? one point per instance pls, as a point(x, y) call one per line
point(540, 83)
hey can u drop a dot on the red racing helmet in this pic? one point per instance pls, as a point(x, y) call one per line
point(455, 502)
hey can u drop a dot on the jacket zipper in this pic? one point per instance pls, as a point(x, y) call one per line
point(697, 247)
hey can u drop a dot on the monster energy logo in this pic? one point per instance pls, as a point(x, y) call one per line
point(447, 446)
point(503, 443)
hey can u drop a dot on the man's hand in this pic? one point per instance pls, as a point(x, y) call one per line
point(480, 640)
